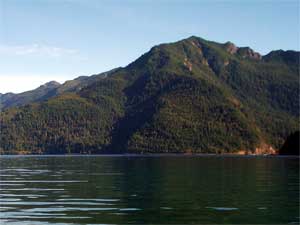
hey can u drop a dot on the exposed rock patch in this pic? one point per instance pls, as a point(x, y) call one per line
point(244, 52)
point(188, 64)
point(265, 149)
point(231, 48)
point(247, 52)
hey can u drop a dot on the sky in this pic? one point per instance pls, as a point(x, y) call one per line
point(45, 40)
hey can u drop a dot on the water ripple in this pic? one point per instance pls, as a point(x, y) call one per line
point(223, 208)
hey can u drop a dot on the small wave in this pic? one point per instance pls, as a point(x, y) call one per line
point(54, 203)
point(63, 209)
point(21, 195)
point(223, 208)
point(89, 199)
point(37, 189)
point(5, 208)
point(9, 200)
point(45, 181)
point(130, 209)
point(106, 174)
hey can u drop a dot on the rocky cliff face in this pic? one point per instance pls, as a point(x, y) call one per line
point(244, 52)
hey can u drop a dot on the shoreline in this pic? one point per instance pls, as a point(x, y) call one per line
point(153, 155)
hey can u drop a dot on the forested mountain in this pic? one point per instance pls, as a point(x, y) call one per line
point(193, 95)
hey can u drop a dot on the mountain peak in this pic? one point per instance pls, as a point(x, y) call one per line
point(52, 83)
point(231, 48)
point(49, 85)
point(289, 56)
point(246, 52)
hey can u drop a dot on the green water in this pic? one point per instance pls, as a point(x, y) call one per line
point(149, 190)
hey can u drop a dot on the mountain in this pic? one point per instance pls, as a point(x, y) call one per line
point(188, 96)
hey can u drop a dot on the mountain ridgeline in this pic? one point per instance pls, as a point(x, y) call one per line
point(191, 96)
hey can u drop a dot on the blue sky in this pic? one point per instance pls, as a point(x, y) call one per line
point(43, 40)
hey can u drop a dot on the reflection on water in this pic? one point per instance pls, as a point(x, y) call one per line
point(144, 190)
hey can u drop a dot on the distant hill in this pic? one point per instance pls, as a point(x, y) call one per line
point(47, 91)
point(191, 96)
point(41, 93)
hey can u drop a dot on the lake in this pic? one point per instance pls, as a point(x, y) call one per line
point(167, 189)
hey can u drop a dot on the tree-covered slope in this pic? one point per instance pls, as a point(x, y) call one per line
point(189, 96)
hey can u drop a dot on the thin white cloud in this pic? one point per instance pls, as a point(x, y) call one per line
point(36, 50)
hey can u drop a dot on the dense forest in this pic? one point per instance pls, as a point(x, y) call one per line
point(191, 96)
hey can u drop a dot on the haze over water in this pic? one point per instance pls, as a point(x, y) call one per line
point(151, 189)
